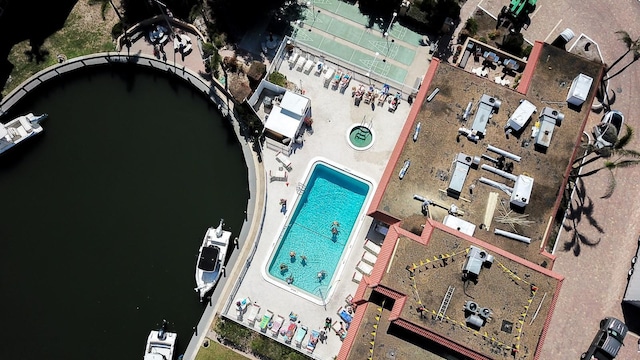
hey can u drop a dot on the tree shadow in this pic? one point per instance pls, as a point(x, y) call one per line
point(30, 20)
point(579, 210)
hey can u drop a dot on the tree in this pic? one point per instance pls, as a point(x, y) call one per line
point(633, 46)
point(623, 158)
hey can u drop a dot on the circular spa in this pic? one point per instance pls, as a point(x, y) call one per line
point(105, 211)
point(360, 137)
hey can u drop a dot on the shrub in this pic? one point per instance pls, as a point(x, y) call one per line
point(117, 30)
point(472, 26)
point(234, 334)
point(231, 63)
point(493, 35)
point(278, 79)
point(208, 49)
point(256, 71)
point(483, 39)
point(512, 43)
point(527, 51)
point(220, 40)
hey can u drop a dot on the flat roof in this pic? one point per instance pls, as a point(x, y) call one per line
point(545, 82)
point(415, 272)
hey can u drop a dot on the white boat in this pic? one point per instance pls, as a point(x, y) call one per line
point(19, 129)
point(211, 257)
point(161, 344)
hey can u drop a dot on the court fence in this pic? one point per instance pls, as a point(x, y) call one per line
point(289, 45)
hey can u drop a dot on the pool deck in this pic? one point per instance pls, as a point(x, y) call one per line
point(333, 114)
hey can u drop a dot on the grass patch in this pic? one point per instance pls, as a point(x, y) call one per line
point(84, 33)
point(216, 351)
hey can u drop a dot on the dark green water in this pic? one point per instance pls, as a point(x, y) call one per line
point(103, 213)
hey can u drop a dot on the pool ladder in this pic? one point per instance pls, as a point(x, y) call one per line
point(300, 188)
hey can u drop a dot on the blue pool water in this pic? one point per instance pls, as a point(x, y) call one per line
point(330, 195)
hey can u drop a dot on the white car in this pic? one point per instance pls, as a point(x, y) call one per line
point(606, 133)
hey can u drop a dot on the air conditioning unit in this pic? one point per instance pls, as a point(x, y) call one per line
point(470, 306)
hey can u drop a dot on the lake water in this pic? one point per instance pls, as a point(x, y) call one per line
point(103, 213)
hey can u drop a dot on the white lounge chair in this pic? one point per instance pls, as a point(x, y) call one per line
point(284, 160)
point(277, 176)
point(307, 66)
point(319, 68)
point(372, 247)
point(328, 76)
point(369, 258)
point(364, 268)
point(252, 315)
point(300, 63)
point(293, 58)
point(357, 277)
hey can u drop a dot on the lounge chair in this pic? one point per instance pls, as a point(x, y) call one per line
point(284, 160)
point(364, 268)
point(313, 340)
point(328, 76)
point(300, 334)
point(289, 332)
point(344, 315)
point(300, 63)
point(308, 66)
point(372, 247)
point(252, 315)
point(276, 325)
point(319, 68)
point(369, 258)
point(293, 58)
point(277, 176)
point(341, 332)
point(266, 319)
point(241, 307)
point(357, 277)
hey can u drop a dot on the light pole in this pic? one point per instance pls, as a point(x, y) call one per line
point(386, 33)
point(371, 66)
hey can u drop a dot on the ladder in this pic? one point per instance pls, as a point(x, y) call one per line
point(445, 303)
point(300, 188)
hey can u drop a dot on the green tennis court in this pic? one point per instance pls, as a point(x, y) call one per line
point(370, 40)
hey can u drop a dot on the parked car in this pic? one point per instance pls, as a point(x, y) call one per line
point(606, 133)
point(608, 340)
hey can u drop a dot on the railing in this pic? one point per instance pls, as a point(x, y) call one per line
point(359, 73)
point(254, 248)
point(102, 59)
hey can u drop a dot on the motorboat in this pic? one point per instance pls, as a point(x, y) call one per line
point(161, 344)
point(19, 129)
point(211, 258)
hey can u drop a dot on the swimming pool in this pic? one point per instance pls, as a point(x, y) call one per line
point(324, 219)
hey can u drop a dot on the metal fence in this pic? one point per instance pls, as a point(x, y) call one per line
point(359, 73)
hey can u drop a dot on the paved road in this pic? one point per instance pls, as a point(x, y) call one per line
point(595, 275)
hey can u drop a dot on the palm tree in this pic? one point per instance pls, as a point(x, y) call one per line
point(624, 158)
point(633, 46)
